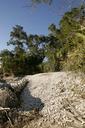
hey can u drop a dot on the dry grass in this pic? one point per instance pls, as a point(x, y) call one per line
point(19, 119)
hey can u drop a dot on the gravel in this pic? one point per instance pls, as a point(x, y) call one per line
point(59, 96)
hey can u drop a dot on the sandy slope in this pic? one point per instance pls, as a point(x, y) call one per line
point(60, 98)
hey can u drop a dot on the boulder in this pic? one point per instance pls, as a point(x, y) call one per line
point(10, 96)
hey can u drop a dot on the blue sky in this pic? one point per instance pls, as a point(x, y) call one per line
point(34, 20)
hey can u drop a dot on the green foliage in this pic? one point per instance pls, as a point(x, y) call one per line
point(76, 57)
point(63, 48)
point(26, 56)
point(75, 40)
point(6, 60)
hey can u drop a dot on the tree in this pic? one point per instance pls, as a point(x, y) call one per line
point(7, 59)
point(65, 46)
point(18, 37)
point(27, 53)
point(62, 48)
point(74, 38)
point(53, 49)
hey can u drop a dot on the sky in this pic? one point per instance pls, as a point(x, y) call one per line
point(34, 20)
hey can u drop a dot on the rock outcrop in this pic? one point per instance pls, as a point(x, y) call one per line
point(10, 95)
point(63, 95)
point(9, 100)
point(50, 100)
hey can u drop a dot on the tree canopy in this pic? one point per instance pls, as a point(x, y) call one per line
point(62, 49)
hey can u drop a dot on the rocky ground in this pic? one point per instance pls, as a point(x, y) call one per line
point(57, 99)
point(60, 98)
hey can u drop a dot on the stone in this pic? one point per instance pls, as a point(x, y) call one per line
point(10, 96)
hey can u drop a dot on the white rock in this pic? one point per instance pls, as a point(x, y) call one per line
point(60, 94)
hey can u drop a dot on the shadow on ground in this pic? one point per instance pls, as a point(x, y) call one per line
point(29, 102)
